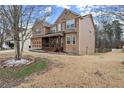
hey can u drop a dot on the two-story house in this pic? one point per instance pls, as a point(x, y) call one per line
point(70, 33)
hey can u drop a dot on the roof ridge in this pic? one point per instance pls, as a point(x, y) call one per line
point(65, 9)
point(69, 11)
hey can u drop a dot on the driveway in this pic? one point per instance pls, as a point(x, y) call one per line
point(6, 51)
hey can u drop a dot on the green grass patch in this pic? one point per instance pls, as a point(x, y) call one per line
point(37, 66)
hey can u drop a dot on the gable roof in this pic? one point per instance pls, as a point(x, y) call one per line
point(68, 11)
point(46, 24)
point(43, 22)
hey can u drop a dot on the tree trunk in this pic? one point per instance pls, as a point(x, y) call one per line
point(17, 48)
point(16, 32)
point(110, 44)
point(22, 46)
point(1, 44)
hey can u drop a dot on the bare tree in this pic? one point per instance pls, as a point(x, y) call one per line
point(28, 16)
point(2, 38)
point(19, 19)
point(118, 33)
point(3, 31)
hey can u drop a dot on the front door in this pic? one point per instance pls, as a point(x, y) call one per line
point(53, 44)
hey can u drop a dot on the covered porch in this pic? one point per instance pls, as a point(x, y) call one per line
point(53, 42)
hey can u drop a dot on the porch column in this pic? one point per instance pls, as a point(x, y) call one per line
point(49, 42)
point(59, 43)
point(59, 40)
point(41, 43)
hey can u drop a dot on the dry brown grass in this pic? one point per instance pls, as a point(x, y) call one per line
point(99, 70)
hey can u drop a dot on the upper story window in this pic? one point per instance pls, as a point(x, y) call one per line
point(59, 27)
point(53, 29)
point(38, 30)
point(63, 26)
point(70, 24)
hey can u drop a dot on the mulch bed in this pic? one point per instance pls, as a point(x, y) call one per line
point(12, 82)
point(4, 65)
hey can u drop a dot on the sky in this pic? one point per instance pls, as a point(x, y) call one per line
point(96, 11)
point(84, 10)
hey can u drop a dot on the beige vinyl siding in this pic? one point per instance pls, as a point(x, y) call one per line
point(86, 36)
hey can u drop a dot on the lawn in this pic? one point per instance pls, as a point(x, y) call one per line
point(98, 70)
point(39, 65)
point(21, 72)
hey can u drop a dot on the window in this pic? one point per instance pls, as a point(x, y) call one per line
point(53, 29)
point(59, 27)
point(38, 30)
point(71, 39)
point(68, 39)
point(63, 26)
point(70, 24)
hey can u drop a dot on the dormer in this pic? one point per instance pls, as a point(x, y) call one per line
point(40, 28)
point(66, 15)
point(67, 21)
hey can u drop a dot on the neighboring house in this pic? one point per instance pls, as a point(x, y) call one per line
point(6, 41)
point(70, 33)
point(27, 43)
point(9, 41)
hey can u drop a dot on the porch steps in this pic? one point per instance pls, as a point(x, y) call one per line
point(38, 50)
